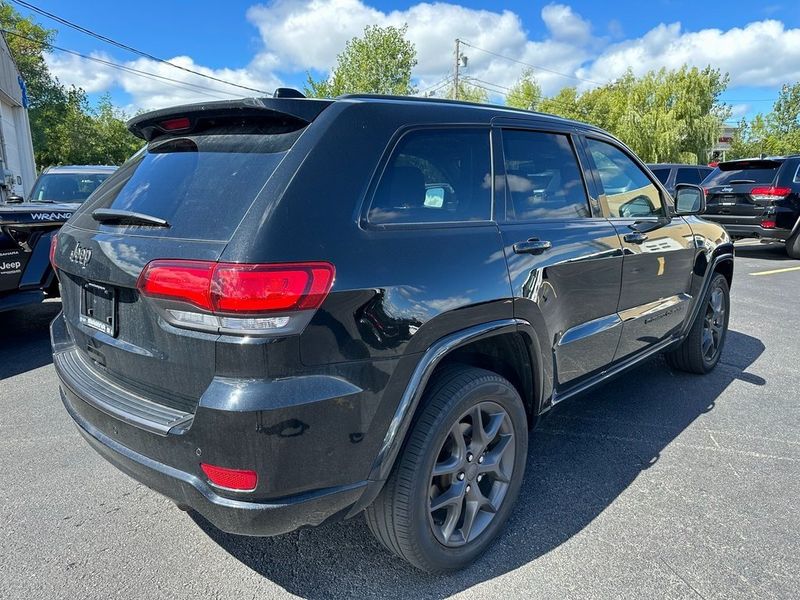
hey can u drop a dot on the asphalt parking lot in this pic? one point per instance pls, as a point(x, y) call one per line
point(658, 485)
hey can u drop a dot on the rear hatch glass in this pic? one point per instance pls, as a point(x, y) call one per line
point(741, 172)
point(202, 185)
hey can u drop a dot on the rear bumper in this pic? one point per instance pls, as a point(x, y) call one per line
point(233, 516)
point(296, 433)
point(20, 299)
point(751, 230)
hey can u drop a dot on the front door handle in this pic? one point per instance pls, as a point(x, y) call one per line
point(532, 246)
point(635, 237)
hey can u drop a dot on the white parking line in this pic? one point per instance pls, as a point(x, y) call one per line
point(773, 271)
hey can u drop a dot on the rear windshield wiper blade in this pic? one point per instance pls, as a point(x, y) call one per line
point(127, 217)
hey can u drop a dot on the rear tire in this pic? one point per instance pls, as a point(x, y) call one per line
point(793, 245)
point(700, 351)
point(452, 489)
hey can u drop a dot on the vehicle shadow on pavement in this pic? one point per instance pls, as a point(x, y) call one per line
point(763, 251)
point(25, 338)
point(581, 458)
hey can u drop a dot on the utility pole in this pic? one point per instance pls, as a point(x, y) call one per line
point(455, 71)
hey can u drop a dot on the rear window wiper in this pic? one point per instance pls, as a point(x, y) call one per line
point(126, 217)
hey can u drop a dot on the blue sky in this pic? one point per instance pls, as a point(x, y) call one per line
point(272, 43)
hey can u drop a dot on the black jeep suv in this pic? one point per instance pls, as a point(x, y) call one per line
point(758, 198)
point(286, 311)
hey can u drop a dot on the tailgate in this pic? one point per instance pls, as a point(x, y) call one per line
point(192, 191)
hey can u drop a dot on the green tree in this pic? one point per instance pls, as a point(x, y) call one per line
point(467, 92)
point(525, 93)
point(115, 144)
point(379, 62)
point(65, 128)
point(775, 133)
point(663, 116)
point(47, 99)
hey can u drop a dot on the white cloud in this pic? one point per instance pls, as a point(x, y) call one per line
point(164, 85)
point(762, 53)
point(298, 35)
point(563, 24)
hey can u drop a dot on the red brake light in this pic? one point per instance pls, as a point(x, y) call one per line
point(176, 124)
point(768, 224)
point(53, 248)
point(234, 288)
point(231, 479)
point(182, 280)
point(770, 192)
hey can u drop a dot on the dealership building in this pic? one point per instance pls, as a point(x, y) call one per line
point(17, 166)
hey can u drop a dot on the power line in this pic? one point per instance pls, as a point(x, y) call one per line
point(521, 62)
point(436, 86)
point(153, 76)
point(113, 42)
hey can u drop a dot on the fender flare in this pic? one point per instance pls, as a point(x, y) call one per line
point(406, 409)
point(711, 268)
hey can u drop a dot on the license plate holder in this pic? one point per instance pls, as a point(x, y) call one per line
point(99, 308)
point(728, 201)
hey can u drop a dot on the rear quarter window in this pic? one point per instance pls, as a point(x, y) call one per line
point(202, 185)
point(435, 176)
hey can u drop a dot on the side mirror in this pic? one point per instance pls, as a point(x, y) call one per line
point(14, 199)
point(689, 199)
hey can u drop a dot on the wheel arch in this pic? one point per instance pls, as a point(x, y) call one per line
point(497, 340)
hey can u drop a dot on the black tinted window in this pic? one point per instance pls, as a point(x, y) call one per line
point(688, 175)
point(201, 184)
point(661, 174)
point(733, 173)
point(543, 177)
point(436, 176)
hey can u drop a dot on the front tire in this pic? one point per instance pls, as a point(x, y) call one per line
point(700, 351)
point(459, 474)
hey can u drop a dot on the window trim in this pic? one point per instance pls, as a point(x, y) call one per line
point(389, 152)
point(666, 204)
point(591, 202)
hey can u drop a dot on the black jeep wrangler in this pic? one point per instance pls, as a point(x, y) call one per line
point(287, 311)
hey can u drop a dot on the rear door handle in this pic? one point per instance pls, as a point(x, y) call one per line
point(532, 246)
point(635, 237)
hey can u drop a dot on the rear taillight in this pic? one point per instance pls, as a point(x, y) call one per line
point(232, 297)
point(768, 224)
point(238, 480)
point(770, 192)
point(53, 248)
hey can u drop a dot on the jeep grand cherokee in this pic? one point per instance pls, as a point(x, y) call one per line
point(287, 311)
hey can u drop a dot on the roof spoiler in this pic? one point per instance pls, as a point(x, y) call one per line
point(151, 125)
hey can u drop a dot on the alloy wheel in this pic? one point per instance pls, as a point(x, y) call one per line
point(471, 476)
point(714, 324)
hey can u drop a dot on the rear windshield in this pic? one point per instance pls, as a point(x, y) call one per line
point(202, 185)
point(761, 172)
point(66, 187)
